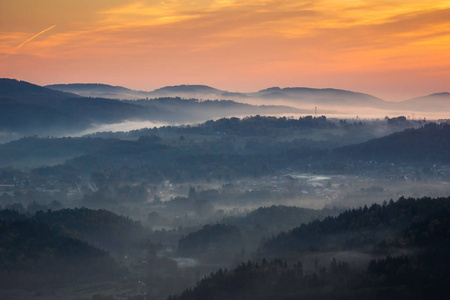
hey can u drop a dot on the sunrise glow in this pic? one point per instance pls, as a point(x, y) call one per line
point(391, 49)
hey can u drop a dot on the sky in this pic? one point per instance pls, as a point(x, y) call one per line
point(391, 49)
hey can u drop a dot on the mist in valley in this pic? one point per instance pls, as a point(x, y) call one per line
point(162, 208)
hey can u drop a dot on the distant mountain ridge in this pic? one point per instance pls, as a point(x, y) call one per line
point(118, 92)
point(433, 102)
point(326, 96)
point(28, 109)
point(190, 90)
point(89, 87)
point(298, 97)
point(186, 88)
point(98, 90)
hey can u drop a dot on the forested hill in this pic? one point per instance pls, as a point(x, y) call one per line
point(429, 143)
point(30, 152)
point(27, 92)
point(38, 254)
point(228, 147)
point(30, 109)
point(279, 217)
point(369, 228)
point(102, 228)
point(420, 227)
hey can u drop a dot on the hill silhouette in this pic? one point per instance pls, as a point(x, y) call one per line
point(30, 109)
point(299, 97)
point(429, 143)
point(320, 96)
point(434, 102)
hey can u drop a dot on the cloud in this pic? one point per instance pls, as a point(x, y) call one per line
point(206, 40)
point(208, 25)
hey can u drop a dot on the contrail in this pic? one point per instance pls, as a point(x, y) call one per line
point(34, 36)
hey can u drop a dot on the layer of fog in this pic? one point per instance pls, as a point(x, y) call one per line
point(315, 191)
point(137, 125)
point(123, 126)
point(175, 206)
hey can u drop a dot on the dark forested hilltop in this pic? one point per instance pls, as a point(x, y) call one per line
point(428, 143)
point(103, 228)
point(369, 228)
point(56, 248)
point(251, 126)
point(419, 227)
point(28, 92)
point(231, 147)
point(30, 152)
point(233, 136)
point(29, 109)
point(224, 240)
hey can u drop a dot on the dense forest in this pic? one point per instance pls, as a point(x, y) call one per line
point(428, 143)
point(35, 254)
point(227, 148)
point(420, 226)
point(404, 244)
point(373, 228)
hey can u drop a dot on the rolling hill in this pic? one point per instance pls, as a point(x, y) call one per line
point(99, 90)
point(324, 97)
point(434, 102)
point(29, 109)
point(298, 97)
point(295, 96)
point(430, 143)
point(118, 92)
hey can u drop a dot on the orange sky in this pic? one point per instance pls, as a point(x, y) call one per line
point(391, 49)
